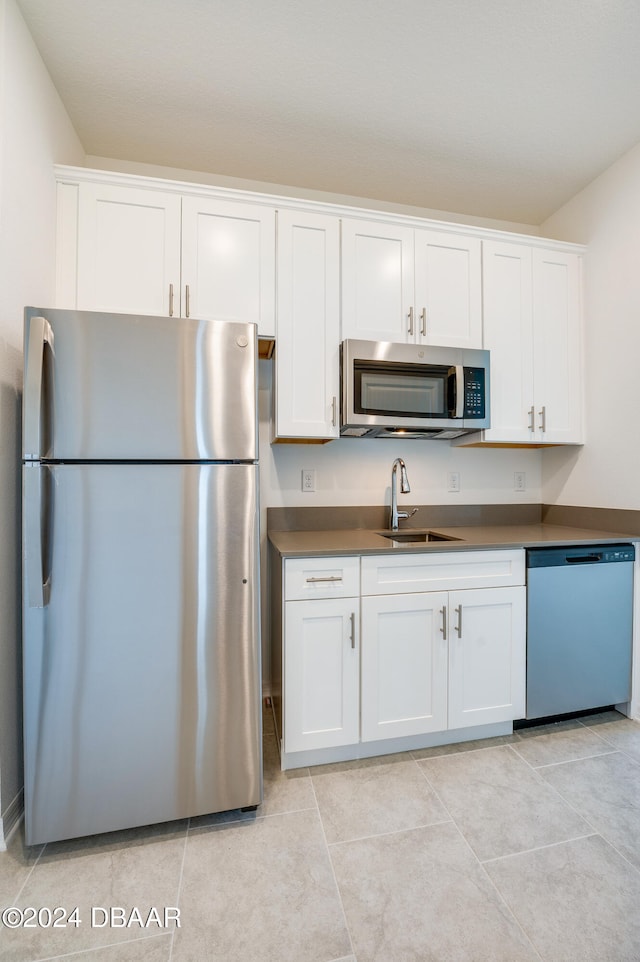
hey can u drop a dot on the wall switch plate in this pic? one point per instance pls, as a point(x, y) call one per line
point(519, 481)
point(308, 479)
point(453, 481)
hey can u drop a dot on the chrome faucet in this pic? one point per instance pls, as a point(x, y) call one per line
point(405, 488)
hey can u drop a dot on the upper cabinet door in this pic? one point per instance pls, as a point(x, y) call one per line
point(508, 335)
point(532, 327)
point(128, 250)
point(557, 346)
point(228, 262)
point(308, 332)
point(377, 281)
point(448, 289)
point(410, 286)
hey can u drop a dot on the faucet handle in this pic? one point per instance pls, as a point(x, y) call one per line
point(407, 514)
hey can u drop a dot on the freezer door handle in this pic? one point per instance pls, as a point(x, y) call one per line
point(37, 586)
point(40, 337)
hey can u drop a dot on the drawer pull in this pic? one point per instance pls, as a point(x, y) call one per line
point(312, 581)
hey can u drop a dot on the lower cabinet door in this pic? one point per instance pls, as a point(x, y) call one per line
point(404, 665)
point(321, 674)
point(487, 656)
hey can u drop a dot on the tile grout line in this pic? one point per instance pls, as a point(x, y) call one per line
point(565, 761)
point(396, 831)
point(98, 948)
point(333, 871)
point(539, 848)
point(596, 831)
point(179, 890)
point(30, 872)
point(466, 842)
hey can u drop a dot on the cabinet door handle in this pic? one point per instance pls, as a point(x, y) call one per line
point(459, 625)
point(532, 416)
point(543, 418)
point(443, 612)
point(334, 405)
point(186, 299)
point(410, 320)
point(352, 619)
point(170, 300)
point(315, 580)
point(423, 325)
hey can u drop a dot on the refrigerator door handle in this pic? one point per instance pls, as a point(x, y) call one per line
point(40, 335)
point(37, 592)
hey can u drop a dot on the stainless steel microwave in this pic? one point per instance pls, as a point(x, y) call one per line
point(412, 390)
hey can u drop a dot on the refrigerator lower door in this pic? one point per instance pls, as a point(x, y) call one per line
point(142, 683)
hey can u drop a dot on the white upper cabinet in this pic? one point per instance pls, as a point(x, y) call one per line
point(228, 262)
point(413, 286)
point(377, 281)
point(128, 250)
point(307, 336)
point(448, 289)
point(557, 345)
point(532, 327)
point(154, 252)
point(130, 244)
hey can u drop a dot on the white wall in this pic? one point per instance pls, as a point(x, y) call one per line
point(35, 133)
point(606, 217)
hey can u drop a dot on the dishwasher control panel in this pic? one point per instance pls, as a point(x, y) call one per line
point(559, 556)
point(624, 553)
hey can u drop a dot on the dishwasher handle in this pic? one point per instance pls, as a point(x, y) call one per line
point(583, 559)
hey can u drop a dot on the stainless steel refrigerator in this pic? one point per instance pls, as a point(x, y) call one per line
point(141, 654)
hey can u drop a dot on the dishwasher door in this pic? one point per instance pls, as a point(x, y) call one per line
point(579, 628)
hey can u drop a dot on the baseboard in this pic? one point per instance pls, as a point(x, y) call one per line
point(10, 820)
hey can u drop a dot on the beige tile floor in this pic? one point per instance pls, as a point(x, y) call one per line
point(517, 849)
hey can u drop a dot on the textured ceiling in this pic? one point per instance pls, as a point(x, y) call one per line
point(496, 108)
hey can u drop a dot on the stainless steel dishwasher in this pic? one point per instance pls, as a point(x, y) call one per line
point(579, 628)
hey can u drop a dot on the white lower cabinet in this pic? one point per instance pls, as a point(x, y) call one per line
point(387, 661)
point(434, 661)
point(487, 656)
point(321, 668)
point(321, 653)
point(404, 665)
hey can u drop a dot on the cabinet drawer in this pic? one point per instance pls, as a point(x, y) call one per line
point(441, 571)
point(321, 578)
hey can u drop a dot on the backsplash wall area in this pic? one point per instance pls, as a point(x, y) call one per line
point(351, 471)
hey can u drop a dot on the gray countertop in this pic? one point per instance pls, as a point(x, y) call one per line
point(292, 544)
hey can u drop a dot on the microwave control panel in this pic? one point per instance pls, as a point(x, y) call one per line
point(474, 392)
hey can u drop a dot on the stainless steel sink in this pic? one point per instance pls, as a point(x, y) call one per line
point(415, 537)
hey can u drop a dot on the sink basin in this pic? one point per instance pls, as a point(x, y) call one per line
point(414, 537)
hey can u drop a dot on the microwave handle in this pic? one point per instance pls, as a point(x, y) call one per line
point(459, 369)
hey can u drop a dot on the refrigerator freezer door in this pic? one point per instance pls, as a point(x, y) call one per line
point(129, 387)
point(142, 684)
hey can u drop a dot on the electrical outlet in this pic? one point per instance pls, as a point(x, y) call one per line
point(453, 481)
point(519, 481)
point(308, 479)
